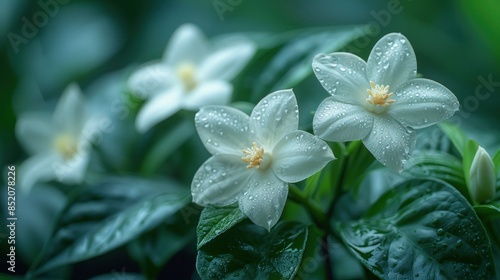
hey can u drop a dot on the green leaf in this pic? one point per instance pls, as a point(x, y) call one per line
point(421, 229)
point(292, 63)
point(470, 150)
point(496, 162)
point(455, 134)
point(119, 275)
point(359, 159)
point(440, 165)
point(488, 211)
point(107, 215)
point(312, 183)
point(216, 221)
point(155, 248)
point(167, 144)
point(248, 251)
point(484, 17)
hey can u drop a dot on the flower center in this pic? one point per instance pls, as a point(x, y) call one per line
point(378, 98)
point(66, 145)
point(255, 157)
point(187, 72)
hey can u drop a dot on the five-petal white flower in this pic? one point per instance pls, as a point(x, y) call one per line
point(255, 157)
point(379, 101)
point(191, 74)
point(59, 146)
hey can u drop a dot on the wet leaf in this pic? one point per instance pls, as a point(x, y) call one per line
point(247, 251)
point(421, 230)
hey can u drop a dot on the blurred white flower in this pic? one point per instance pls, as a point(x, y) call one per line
point(254, 158)
point(191, 74)
point(379, 101)
point(57, 143)
point(482, 177)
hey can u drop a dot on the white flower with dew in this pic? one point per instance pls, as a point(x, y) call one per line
point(255, 157)
point(57, 142)
point(482, 176)
point(379, 101)
point(191, 74)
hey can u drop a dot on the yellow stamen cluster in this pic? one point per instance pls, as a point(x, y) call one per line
point(187, 73)
point(66, 145)
point(253, 156)
point(379, 95)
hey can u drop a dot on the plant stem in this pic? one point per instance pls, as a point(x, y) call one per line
point(295, 194)
point(328, 263)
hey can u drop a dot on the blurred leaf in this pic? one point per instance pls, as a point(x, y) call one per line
point(248, 251)
point(119, 275)
point(37, 210)
point(155, 248)
point(484, 15)
point(496, 162)
point(216, 221)
point(104, 216)
point(68, 56)
point(421, 229)
point(455, 134)
point(440, 165)
point(292, 63)
point(167, 144)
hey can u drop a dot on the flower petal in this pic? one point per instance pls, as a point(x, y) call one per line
point(152, 79)
point(422, 102)
point(187, 44)
point(209, 93)
point(273, 117)
point(226, 63)
point(392, 61)
point(299, 155)
point(38, 168)
point(223, 130)
point(390, 142)
point(69, 113)
point(159, 108)
point(35, 132)
point(341, 122)
point(263, 199)
point(220, 181)
point(343, 76)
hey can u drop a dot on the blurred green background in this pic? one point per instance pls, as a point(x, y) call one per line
point(97, 44)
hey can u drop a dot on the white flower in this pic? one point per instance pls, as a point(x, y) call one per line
point(191, 74)
point(255, 157)
point(380, 101)
point(59, 147)
point(482, 177)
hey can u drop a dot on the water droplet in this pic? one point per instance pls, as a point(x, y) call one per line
point(440, 232)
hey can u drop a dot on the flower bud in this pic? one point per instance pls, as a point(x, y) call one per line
point(482, 177)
